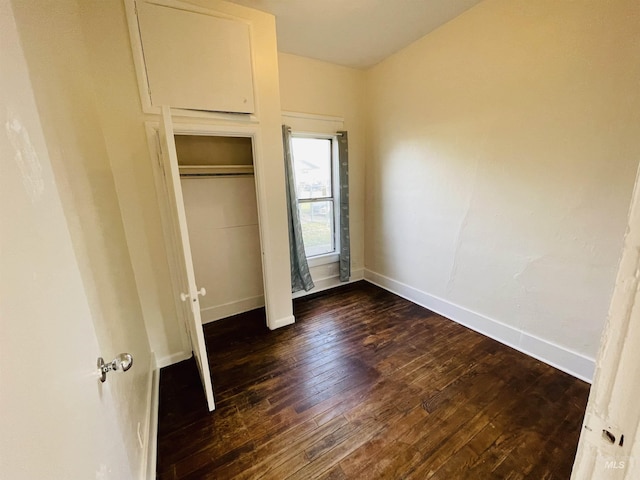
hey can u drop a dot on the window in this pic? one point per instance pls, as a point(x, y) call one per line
point(317, 193)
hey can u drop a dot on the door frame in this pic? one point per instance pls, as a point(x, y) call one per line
point(251, 131)
point(609, 445)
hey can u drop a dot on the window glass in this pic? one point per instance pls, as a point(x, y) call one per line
point(312, 161)
point(317, 222)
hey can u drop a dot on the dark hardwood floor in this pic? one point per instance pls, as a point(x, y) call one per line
point(366, 385)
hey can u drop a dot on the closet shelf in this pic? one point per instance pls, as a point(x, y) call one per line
point(214, 170)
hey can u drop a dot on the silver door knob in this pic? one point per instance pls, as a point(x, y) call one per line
point(122, 362)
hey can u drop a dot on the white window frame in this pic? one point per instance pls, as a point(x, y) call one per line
point(334, 256)
point(324, 127)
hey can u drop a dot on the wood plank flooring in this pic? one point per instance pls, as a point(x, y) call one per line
point(366, 385)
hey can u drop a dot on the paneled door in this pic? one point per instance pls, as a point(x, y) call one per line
point(189, 293)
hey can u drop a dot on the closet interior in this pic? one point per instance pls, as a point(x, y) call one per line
point(219, 192)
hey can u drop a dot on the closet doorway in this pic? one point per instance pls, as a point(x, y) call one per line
point(219, 193)
point(208, 194)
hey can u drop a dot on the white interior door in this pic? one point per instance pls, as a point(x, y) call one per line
point(56, 419)
point(190, 293)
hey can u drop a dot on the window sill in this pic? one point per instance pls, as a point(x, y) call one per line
point(318, 260)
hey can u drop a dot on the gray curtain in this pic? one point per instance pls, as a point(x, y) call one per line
point(300, 275)
point(343, 170)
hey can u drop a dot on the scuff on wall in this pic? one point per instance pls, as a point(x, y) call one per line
point(26, 157)
point(459, 236)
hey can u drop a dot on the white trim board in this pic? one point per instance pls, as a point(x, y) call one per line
point(312, 124)
point(282, 322)
point(151, 445)
point(327, 283)
point(173, 358)
point(218, 312)
point(312, 116)
point(559, 357)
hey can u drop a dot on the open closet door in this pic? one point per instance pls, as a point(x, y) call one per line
point(189, 290)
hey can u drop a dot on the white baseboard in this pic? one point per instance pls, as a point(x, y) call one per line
point(282, 322)
point(150, 451)
point(217, 312)
point(559, 357)
point(173, 358)
point(321, 284)
point(330, 282)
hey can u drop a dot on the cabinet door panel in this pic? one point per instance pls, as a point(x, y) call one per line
point(196, 61)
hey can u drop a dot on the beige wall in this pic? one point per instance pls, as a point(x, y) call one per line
point(55, 51)
point(501, 160)
point(222, 217)
point(321, 88)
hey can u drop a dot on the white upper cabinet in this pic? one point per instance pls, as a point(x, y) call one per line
point(192, 58)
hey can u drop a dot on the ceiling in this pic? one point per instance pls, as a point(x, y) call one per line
point(355, 33)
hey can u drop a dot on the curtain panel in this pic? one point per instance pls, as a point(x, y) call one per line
point(300, 275)
point(343, 171)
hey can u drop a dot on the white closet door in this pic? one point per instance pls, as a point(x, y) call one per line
point(196, 61)
point(190, 290)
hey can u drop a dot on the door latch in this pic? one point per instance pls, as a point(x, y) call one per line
point(122, 362)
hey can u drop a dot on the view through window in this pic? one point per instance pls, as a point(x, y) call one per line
point(312, 159)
